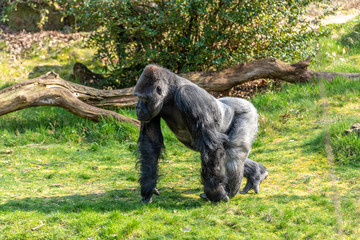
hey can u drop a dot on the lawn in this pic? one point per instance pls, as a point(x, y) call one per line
point(62, 177)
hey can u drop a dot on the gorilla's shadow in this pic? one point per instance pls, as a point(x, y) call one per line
point(124, 200)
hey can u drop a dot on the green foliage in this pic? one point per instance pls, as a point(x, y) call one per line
point(33, 15)
point(193, 35)
point(185, 35)
point(352, 37)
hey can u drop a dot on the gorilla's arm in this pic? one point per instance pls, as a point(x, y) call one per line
point(202, 118)
point(150, 146)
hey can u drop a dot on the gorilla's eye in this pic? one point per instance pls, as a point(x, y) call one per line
point(158, 90)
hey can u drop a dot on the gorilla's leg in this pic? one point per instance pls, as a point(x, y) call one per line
point(251, 184)
point(255, 173)
point(247, 187)
point(263, 175)
point(241, 135)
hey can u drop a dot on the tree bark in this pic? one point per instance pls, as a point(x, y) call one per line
point(271, 68)
point(219, 81)
point(51, 90)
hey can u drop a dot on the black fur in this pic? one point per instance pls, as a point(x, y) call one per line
point(221, 130)
point(150, 147)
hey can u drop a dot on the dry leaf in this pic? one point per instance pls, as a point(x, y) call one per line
point(186, 229)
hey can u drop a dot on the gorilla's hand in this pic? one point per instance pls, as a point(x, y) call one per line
point(148, 197)
point(224, 198)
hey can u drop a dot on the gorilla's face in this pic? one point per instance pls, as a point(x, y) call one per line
point(151, 92)
point(147, 107)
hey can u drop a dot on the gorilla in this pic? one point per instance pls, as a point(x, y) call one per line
point(222, 130)
point(255, 173)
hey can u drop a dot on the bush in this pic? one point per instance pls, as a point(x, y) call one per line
point(33, 15)
point(37, 15)
point(193, 35)
point(190, 35)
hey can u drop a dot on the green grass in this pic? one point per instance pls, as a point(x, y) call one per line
point(69, 178)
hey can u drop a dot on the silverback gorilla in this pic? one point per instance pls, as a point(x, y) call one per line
point(222, 130)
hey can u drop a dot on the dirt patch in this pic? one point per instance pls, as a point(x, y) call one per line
point(348, 10)
point(344, 10)
point(18, 43)
point(249, 89)
point(349, 5)
point(337, 19)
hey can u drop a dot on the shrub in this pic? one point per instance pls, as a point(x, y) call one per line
point(32, 15)
point(37, 15)
point(191, 35)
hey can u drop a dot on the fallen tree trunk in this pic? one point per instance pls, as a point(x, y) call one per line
point(271, 68)
point(219, 81)
point(51, 90)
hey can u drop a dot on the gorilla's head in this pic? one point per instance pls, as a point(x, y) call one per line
point(151, 90)
point(216, 194)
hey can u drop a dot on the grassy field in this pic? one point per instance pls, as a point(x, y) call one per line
point(62, 177)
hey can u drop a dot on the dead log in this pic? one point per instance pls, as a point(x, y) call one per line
point(51, 90)
point(355, 128)
point(271, 68)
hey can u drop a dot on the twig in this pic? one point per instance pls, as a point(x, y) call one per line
point(33, 144)
point(50, 164)
point(7, 151)
point(35, 228)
